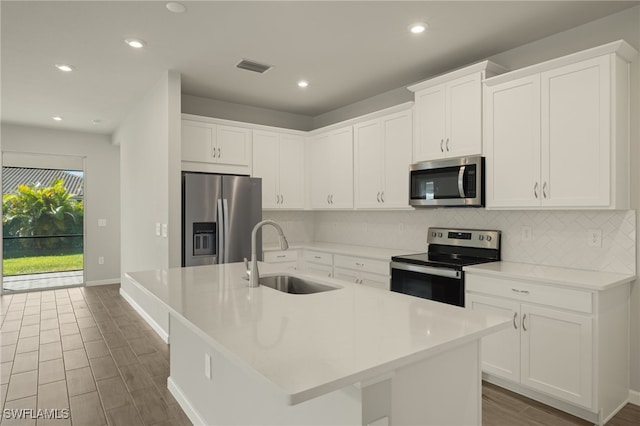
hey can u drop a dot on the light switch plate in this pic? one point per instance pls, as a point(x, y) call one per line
point(157, 229)
point(102, 223)
point(525, 233)
point(164, 230)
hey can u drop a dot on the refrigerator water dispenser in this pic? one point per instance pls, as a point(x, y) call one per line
point(204, 238)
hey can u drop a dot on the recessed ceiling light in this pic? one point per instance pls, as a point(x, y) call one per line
point(176, 7)
point(135, 43)
point(64, 67)
point(418, 28)
point(57, 118)
point(303, 83)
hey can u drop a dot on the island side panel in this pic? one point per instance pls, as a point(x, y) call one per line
point(445, 389)
point(232, 396)
point(152, 310)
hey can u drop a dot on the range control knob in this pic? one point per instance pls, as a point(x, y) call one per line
point(439, 234)
point(488, 237)
point(433, 234)
point(481, 237)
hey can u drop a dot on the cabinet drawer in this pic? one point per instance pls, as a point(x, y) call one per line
point(318, 257)
point(279, 256)
point(560, 297)
point(362, 264)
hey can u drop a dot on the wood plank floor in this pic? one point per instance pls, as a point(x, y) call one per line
point(86, 350)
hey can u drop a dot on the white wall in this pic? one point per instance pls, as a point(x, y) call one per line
point(102, 189)
point(249, 114)
point(150, 178)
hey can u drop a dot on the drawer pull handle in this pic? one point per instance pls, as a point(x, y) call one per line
point(317, 257)
point(282, 256)
point(524, 326)
point(520, 291)
point(515, 324)
point(359, 264)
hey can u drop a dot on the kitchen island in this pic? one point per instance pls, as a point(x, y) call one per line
point(354, 355)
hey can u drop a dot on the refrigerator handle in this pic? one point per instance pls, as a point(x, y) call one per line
point(226, 230)
point(220, 232)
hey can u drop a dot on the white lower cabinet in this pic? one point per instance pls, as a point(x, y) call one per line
point(370, 272)
point(285, 258)
point(546, 349)
point(566, 347)
point(317, 263)
point(357, 270)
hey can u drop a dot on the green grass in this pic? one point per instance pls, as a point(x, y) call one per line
point(36, 264)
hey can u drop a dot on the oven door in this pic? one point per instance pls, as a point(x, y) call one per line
point(438, 284)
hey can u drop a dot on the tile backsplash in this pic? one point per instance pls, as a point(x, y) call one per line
point(557, 238)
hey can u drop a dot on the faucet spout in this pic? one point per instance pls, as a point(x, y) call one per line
point(254, 275)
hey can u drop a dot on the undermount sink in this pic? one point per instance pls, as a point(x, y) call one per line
point(294, 285)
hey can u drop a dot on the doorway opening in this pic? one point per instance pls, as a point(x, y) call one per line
point(43, 227)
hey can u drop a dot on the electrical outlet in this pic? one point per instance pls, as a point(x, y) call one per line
point(594, 238)
point(400, 227)
point(102, 223)
point(101, 260)
point(525, 233)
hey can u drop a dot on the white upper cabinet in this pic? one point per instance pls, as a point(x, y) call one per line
point(448, 113)
point(556, 134)
point(206, 142)
point(382, 154)
point(330, 157)
point(278, 158)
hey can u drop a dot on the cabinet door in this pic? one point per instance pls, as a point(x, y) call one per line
point(340, 168)
point(512, 143)
point(319, 153)
point(576, 134)
point(368, 164)
point(464, 117)
point(318, 270)
point(500, 351)
point(233, 145)
point(266, 166)
point(291, 173)
point(557, 353)
point(397, 133)
point(430, 124)
point(197, 141)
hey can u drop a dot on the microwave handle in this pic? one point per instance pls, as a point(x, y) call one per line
point(461, 182)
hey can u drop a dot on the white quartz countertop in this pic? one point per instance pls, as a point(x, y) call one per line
point(345, 249)
point(578, 278)
point(309, 345)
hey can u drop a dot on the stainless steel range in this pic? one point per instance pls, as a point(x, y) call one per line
point(437, 274)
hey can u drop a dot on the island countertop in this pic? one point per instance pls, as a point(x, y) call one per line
point(312, 344)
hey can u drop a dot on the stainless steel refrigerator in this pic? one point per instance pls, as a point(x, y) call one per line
point(218, 215)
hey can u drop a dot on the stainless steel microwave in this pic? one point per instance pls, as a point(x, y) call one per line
point(455, 182)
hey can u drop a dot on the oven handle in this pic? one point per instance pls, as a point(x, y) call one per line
point(440, 272)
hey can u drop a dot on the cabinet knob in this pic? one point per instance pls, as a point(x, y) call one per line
point(447, 144)
point(382, 196)
point(524, 325)
point(515, 324)
point(535, 190)
point(441, 142)
point(378, 196)
point(544, 190)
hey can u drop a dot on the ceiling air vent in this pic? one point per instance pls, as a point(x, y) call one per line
point(248, 65)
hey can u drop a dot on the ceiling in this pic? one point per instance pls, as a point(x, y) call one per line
point(348, 51)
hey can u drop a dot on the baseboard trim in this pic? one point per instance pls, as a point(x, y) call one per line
point(634, 397)
point(163, 335)
point(102, 282)
point(184, 403)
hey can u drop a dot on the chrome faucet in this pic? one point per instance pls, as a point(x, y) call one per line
point(254, 275)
